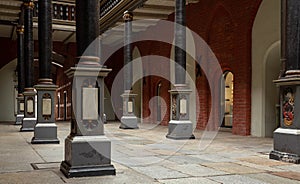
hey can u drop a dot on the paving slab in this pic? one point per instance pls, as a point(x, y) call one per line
point(233, 168)
point(196, 170)
point(291, 175)
point(160, 172)
point(189, 181)
point(236, 179)
point(33, 177)
point(272, 179)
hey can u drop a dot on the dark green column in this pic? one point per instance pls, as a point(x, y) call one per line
point(87, 126)
point(180, 126)
point(29, 120)
point(20, 69)
point(287, 136)
point(129, 119)
point(45, 130)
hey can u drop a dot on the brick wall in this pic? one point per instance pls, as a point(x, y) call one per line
point(226, 26)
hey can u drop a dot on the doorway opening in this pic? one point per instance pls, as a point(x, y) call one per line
point(228, 99)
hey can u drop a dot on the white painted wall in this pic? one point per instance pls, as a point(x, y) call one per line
point(7, 92)
point(265, 33)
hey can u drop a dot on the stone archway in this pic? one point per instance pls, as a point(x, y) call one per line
point(265, 33)
point(8, 92)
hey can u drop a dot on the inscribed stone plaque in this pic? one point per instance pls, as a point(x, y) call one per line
point(29, 106)
point(183, 109)
point(90, 103)
point(130, 107)
point(47, 107)
point(22, 107)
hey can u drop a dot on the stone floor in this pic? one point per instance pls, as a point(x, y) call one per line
point(146, 156)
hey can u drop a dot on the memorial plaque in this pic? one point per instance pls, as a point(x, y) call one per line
point(22, 106)
point(30, 108)
point(46, 107)
point(89, 103)
point(183, 108)
point(130, 107)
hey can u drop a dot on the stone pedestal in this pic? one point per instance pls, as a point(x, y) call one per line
point(87, 156)
point(87, 149)
point(45, 130)
point(20, 109)
point(129, 120)
point(287, 136)
point(180, 126)
point(29, 120)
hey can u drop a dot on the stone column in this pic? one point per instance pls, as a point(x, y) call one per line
point(128, 120)
point(287, 136)
point(180, 126)
point(45, 130)
point(87, 149)
point(20, 68)
point(29, 120)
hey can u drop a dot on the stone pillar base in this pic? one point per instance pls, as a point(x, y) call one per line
point(45, 133)
point(87, 156)
point(28, 124)
point(286, 145)
point(19, 119)
point(129, 122)
point(180, 129)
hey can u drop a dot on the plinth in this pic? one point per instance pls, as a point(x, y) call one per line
point(29, 120)
point(287, 136)
point(87, 149)
point(45, 131)
point(20, 109)
point(180, 126)
point(129, 120)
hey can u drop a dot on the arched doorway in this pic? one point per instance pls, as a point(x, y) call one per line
point(227, 99)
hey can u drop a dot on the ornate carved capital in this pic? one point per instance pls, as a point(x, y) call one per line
point(20, 29)
point(29, 4)
point(128, 16)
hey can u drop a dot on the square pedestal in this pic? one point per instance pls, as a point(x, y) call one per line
point(19, 119)
point(28, 124)
point(180, 130)
point(129, 122)
point(87, 156)
point(286, 145)
point(45, 133)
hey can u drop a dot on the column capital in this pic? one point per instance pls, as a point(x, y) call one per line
point(28, 4)
point(128, 16)
point(20, 29)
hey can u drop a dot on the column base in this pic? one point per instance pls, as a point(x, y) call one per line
point(180, 129)
point(28, 125)
point(19, 119)
point(285, 157)
point(87, 156)
point(129, 122)
point(286, 145)
point(71, 172)
point(45, 133)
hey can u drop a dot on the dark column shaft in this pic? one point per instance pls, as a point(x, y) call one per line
point(292, 43)
point(21, 65)
point(28, 44)
point(128, 50)
point(180, 41)
point(283, 36)
point(87, 25)
point(45, 38)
